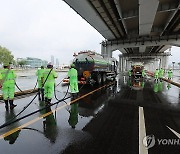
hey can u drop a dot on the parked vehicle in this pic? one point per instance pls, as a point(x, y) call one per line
point(94, 68)
point(137, 71)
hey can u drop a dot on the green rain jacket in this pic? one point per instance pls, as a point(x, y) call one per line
point(8, 76)
point(156, 72)
point(161, 73)
point(39, 73)
point(170, 73)
point(72, 73)
point(143, 72)
point(51, 77)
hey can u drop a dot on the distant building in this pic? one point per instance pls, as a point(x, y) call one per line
point(33, 62)
point(57, 62)
point(52, 60)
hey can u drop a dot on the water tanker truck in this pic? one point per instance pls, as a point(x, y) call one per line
point(94, 68)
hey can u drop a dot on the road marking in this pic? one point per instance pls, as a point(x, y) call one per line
point(48, 113)
point(142, 132)
point(176, 133)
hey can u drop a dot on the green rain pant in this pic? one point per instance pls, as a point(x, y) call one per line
point(143, 74)
point(169, 75)
point(8, 91)
point(39, 84)
point(49, 90)
point(161, 75)
point(129, 73)
point(74, 86)
point(156, 76)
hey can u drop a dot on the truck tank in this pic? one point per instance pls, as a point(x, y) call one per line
point(92, 65)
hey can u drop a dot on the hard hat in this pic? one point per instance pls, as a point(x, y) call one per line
point(49, 65)
point(72, 65)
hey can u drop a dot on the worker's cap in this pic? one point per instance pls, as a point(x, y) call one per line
point(49, 65)
point(72, 65)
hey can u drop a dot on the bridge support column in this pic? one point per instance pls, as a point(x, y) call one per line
point(120, 62)
point(103, 50)
point(126, 61)
point(106, 51)
point(156, 64)
point(124, 64)
point(109, 51)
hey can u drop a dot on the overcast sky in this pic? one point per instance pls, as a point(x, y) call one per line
point(41, 28)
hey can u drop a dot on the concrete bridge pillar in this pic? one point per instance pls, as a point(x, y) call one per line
point(120, 68)
point(166, 59)
point(127, 64)
point(109, 51)
point(103, 50)
point(156, 64)
point(122, 64)
point(106, 51)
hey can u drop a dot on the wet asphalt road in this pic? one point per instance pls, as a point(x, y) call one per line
point(105, 122)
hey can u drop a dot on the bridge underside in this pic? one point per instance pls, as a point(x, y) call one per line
point(132, 26)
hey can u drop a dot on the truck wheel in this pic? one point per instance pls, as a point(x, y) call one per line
point(98, 79)
point(103, 77)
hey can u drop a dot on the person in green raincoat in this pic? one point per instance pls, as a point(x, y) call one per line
point(8, 86)
point(49, 76)
point(161, 73)
point(156, 74)
point(129, 73)
point(170, 73)
point(39, 74)
point(73, 118)
point(143, 73)
point(73, 76)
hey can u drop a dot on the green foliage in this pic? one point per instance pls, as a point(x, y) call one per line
point(5, 56)
point(22, 63)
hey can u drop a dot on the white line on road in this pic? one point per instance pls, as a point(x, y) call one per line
point(176, 133)
point(142, 132)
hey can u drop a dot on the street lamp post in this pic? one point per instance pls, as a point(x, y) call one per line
point(173, 65)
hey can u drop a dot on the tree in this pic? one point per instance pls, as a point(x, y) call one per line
point(21, 63)
point(5, 56)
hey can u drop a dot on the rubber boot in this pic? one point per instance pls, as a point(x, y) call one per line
point(6, 104)
point(74, 95)
point(49, 101)
point(42, 94)
point(46, 101)
point(12, 106)
point(39, 94)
